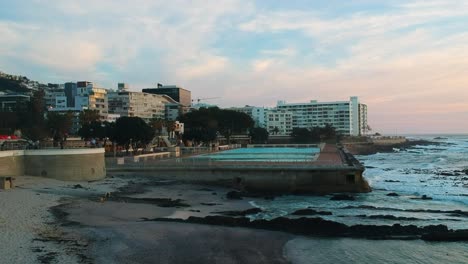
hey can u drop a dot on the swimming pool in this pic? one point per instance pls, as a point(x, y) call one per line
point(282, 154)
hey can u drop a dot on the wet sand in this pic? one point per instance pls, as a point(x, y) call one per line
point(48, 221)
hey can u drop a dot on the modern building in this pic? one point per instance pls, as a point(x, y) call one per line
point(89, 96)
point(348, 117)
point(70, 92)
point(179, 94)
point(144, 105)
point(13, 102)
point(54, 97)
point(278, 121)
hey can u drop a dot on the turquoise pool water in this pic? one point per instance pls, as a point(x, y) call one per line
point(264, 154)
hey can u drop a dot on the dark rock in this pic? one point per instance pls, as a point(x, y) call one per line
point(234, 195)
point(342, 197)
point(210, 204)
point(241, 213)
point(195, 211)
point(391, 181)
point(161, 202)
point(213, 193)
point(310, 212)
point(321, 227)
point(458, 235)
point(425, 197)
point(77, 186)
point(393, 194)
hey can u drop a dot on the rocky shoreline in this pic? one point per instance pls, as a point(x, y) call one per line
point(325, 228)
point(371, 148)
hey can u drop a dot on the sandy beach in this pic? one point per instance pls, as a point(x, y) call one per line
point(115, 221)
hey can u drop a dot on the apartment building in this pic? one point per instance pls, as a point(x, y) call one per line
point(348, 117)
point(144, 105)
point(90, 96)
point(278, 121)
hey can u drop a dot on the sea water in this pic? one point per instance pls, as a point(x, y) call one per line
point(434, 170)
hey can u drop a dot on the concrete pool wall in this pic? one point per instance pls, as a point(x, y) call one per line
point(262, 177)
point(61, 164)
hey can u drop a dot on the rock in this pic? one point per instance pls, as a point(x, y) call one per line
point(77, 186)
point(310, 212)
point(234, 195)
point(393, 194)
point(213, 193)
point(458, 235)
point(241, 213)
point(342, 197)
point(391, 181)
point(425, 197)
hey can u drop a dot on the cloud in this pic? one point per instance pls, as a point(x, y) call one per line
point(406, 61)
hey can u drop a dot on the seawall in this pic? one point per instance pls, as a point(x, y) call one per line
point(320, 177)
point(61, 164)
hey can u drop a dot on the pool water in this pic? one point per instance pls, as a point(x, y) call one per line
point(285, 154)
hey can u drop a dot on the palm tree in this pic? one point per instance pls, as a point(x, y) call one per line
point(275, 130)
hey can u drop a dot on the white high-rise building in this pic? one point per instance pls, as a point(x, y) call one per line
point(348, 117)
point(278, 121)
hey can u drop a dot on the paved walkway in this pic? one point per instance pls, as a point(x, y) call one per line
point(329, 156)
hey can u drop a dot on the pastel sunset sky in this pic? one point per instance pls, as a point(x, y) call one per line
point(407, 60)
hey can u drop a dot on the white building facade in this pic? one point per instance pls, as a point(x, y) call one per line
point(278, 121)
point(144, 105)
point(347, 117)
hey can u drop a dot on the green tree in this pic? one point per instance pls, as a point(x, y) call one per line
point(158, 124)
point(32, 121)
point(204, 124)
point(59, 124)
point(132, 131)
point(275, 130)
point(88, 116)
point(259, 135)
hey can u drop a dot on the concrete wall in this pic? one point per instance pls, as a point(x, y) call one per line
point(318, 180)
point(11, 163)
point(61, 164)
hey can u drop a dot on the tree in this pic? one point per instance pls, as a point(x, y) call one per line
point(132, 131)
point(314, 135)
point(204, 124)
point(96, 129)
point(59, 124)
point(157, 124)
point(303, 136)
point(275, 130)
point(259, 135)
point(88, 116)
point(32, 122)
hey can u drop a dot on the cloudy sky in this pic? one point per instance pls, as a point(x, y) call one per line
point(407, 60)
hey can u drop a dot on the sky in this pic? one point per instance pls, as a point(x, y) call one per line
point(407, 60)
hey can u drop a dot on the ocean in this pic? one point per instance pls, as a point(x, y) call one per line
point(438, 171)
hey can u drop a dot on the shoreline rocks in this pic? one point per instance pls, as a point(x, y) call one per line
point(326, 228)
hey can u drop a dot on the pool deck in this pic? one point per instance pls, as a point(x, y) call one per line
point(330, 155)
